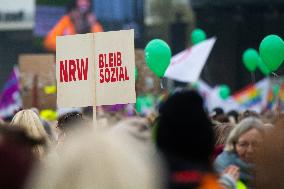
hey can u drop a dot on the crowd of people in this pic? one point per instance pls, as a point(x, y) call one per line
point(182, 147)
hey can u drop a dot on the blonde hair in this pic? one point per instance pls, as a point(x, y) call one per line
point(31, 123)
point(97, 160)
point(241, 128)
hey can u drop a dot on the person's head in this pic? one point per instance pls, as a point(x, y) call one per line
point(98, 160)
point(218, 115)
point(221, 118)
point(135, 128)
point(69, 121)
point(233, 116)
point(83, 6)
point(217, 111)
point(88, 112)
point(184, 130)
point(245, 138)
point(47, 127)
point(248, 113)
point(16, 156)
point(31, 123)
point(68, 124)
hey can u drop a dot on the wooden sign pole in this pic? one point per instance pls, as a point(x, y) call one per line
point(95, 123)
point(95, 115)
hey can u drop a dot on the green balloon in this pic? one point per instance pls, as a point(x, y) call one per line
point(197, 36)
point(272, 52)
point(144, 102)
point(250, 59)
point(224, 92)
point(158, 56)
point(263, 68)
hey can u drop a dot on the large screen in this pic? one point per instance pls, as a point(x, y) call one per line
point(112, 14)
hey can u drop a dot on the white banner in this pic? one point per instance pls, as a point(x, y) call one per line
point(214, 100)
point(188, 64)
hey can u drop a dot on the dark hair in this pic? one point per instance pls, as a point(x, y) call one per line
point(218, 111)
point(88, 111)
point(234, 114)
point(67, 121)
point(16, 156)
point(222, 118)
point(73, 4)
point(248, 113)
point(184, 130)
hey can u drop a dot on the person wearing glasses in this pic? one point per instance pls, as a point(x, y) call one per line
point(240, 148)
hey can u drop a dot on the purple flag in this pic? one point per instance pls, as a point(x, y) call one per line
point(10, 99)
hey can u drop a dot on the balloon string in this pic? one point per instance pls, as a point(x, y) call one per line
point(162, 83)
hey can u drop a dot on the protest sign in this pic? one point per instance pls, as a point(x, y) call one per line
point(74, 70)
point(37, 72)
point(115, 67)
point(95, 69)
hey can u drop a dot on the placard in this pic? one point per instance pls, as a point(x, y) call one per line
point(95, 69)
point(36, 72)
point(75, 70)
point(115, 65)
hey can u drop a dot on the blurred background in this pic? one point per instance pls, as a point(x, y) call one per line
point(223, 49)
point(237, 24)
